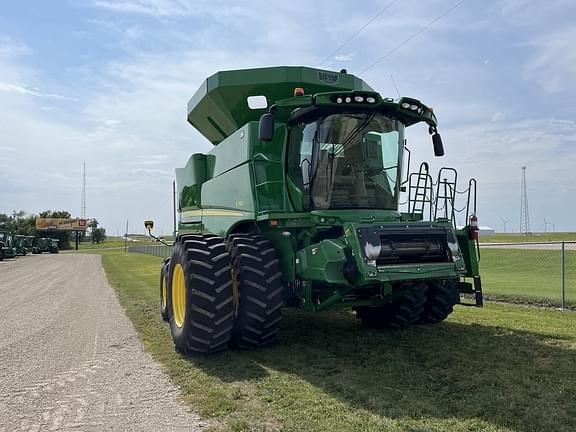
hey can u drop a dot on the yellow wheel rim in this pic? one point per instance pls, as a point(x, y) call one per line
point(178, 295)
point(163, 293)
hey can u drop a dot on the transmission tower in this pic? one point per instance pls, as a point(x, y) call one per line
point(524, 216)
point(83, 212)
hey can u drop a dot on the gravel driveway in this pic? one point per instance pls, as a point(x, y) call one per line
point(70, 359)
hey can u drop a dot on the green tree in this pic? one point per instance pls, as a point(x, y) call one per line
point(18, 223)
point(99, 235)
point(93, 228)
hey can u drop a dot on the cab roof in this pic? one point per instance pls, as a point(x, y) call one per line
point(221, 105)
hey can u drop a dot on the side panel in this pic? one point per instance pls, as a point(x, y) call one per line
point(227, 200)
point(233, 151)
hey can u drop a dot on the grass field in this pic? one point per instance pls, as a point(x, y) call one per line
point(535, 237)
point(116, 242)
point(528, 273)
point(501, 368)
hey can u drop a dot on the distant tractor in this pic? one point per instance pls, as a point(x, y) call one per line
point(298, 205)
point(29, 243)
point(7, 249)
point(45, 244)
point(20, 245)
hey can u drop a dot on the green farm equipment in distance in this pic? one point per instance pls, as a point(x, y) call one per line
point(20, 242)
point(29, 243)
point(7, 249)
point(45, 244)
point(298, 204)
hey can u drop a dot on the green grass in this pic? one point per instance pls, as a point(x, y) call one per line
point(501, 368)
point(535, 237)
point(114, 244)
point(527, 273)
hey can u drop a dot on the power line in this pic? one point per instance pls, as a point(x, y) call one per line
point(419, 32)
point(374, 18)
point(395, 86)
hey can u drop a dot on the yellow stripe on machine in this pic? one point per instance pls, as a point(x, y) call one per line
point(212, 212)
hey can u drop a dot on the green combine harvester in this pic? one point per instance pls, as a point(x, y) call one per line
point(7, 249)
point(45, 244)
point(297, 205)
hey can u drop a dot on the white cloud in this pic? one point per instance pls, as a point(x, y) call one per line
point(10, 47)
point(159, 8)
point(344, 57)
point(23, 90)
point(553, 65)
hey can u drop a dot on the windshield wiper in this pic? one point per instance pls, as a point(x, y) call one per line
point(356, 131)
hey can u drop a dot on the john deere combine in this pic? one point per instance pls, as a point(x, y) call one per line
point(297, 204)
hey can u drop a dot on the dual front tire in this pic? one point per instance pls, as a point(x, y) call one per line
point(216, 294)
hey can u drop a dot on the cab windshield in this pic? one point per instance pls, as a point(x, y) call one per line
point(347, 160)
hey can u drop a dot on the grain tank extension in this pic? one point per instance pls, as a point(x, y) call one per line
point(297, 204)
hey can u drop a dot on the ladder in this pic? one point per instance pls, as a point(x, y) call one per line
point(446, 194)
point(420, 190)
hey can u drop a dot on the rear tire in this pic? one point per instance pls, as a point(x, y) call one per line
point(199, 297)
point(258, 280)
point(401, 313)
point(442, 295)
point(164, 288)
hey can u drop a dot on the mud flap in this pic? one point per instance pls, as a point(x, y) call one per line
point(476, 289)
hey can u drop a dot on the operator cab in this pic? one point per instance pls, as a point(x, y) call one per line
point(343, 160)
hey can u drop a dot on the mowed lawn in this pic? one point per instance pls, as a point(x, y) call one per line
point(528, 273)
point(500, 368)
point(523, 238)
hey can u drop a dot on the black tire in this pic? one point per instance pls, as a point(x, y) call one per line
point(258, 279)
point(163, 289)
point(441, 296)
point(401, 313)
point(206, 313)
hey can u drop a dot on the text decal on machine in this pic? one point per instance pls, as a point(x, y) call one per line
point(328, 77)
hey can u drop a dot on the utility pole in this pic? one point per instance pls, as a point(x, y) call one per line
point(174, 210)
point(524, 216)
point(126, 237)
point(83, 210)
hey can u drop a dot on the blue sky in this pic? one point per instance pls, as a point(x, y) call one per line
point(108, 81)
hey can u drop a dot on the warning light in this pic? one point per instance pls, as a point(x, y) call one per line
point(274, 222)
point(298, 91)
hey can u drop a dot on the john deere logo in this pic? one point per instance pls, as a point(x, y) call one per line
point(328, 77)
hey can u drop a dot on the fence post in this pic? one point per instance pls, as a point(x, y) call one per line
point(562, 285)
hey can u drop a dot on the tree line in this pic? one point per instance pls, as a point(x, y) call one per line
point(21, 223)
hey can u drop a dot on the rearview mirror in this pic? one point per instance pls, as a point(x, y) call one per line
point(149, 225)
point(266, 127)
point(438, 146)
